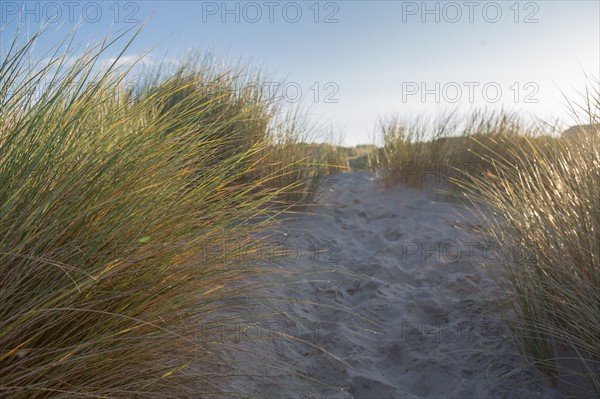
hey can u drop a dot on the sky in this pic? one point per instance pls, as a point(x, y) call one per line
point(353, 63)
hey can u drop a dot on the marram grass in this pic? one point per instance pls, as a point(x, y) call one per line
point(421, 150)
point(540, 197)
point(108, 200)
point(546, 216)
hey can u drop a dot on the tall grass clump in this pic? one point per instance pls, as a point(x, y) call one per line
point(545, 215)
point(239, 112)
point(422, 150)
point(108, 202)
point(229, 102)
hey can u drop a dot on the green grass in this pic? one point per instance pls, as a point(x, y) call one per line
point(108, 199)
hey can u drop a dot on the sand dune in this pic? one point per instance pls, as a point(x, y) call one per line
point(394, 303)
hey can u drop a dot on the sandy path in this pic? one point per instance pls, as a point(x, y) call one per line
point(403, 261)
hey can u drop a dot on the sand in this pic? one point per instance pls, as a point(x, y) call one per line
point(392, 302)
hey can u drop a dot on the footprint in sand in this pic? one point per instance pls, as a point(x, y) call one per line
point(392, 234)
point(363, 215)
point(362, 289)
point(429, 310)
point(464, 285)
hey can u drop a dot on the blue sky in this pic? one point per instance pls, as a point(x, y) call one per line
point(353, 62)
